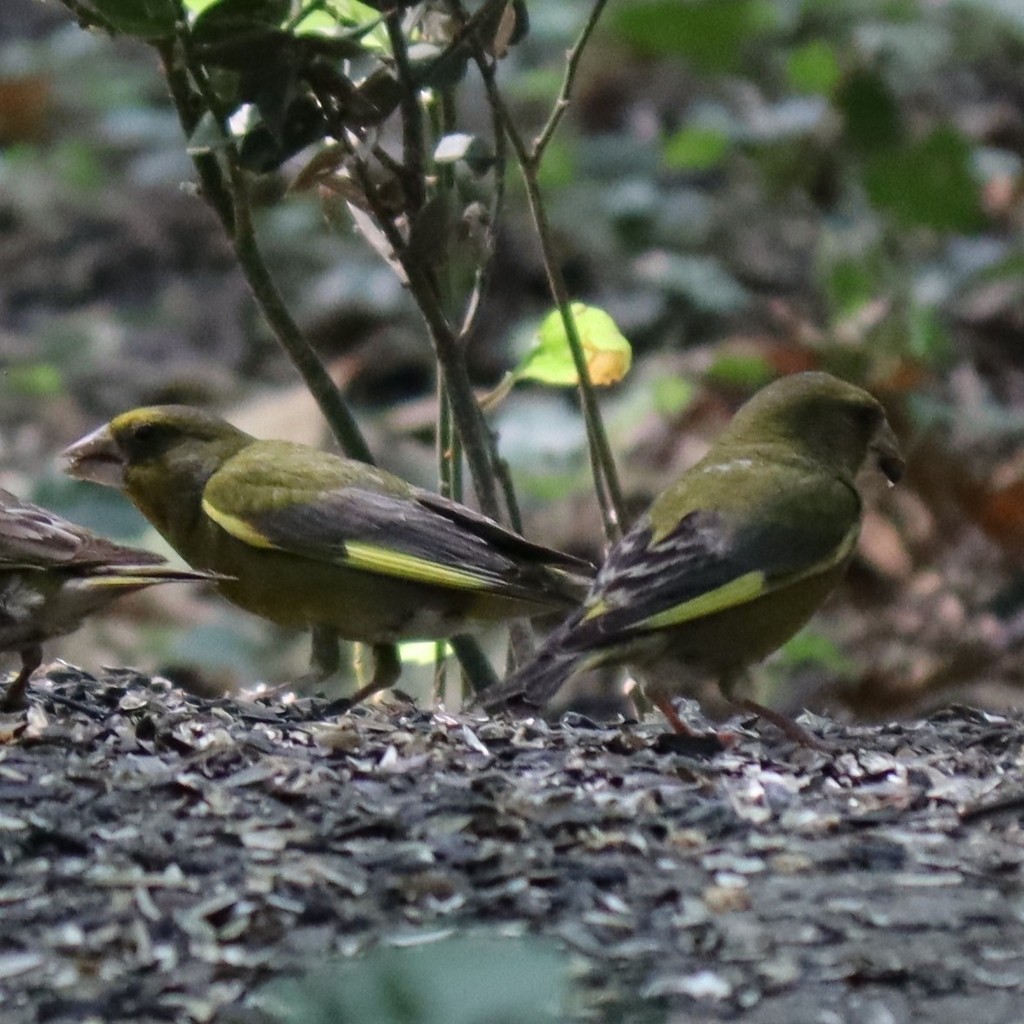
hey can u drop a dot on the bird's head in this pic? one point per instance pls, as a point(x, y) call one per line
point(176, 444)
point(824, 418)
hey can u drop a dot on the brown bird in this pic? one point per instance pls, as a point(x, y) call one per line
point(53, 574)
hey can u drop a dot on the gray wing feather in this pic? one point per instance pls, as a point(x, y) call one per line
point(33, 537)
point(705, 551)
point(425, 526)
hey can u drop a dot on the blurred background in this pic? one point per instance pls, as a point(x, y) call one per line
point(750, 187)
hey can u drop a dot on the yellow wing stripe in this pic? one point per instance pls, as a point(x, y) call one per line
point(357, 555)
point(738, 591)
point(238, 528)
point(408, 567)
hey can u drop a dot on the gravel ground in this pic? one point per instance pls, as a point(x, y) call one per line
point(162, 856)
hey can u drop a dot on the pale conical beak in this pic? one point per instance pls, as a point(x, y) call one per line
point(887, 454)
point(96, 458)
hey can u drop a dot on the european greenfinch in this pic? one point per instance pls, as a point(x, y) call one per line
point(307, 538)
point(731, 559)
point(53, 574)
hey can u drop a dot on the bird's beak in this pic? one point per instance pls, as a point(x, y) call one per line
point(887, 454)
point(96, 458)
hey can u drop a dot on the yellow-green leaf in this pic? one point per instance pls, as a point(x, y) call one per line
point(695, 149)
point(608, 353)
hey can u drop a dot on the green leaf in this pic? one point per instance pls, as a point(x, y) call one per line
point(341, 17)
point(36, 379)
point(560, 165)
point(144, 19)
point(928, 336)
point(928, 183)
point(712, 34)
point(465, 979)
point(229, 18)
point(743, 372)
point(808, 647)
point(850, 284)
point(870, 111)
point(608, 354)
point(694, 149)
point(672, 394)
point(813, 68)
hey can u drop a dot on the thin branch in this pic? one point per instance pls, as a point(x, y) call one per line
point(287, 331)
point(468, 419)
point(87, 17)
point(485, 266)
point(189, 106)
point(412, 116)
point(229, 198)
point(572, 63)
point(610, 495)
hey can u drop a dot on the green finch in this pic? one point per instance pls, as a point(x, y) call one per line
point(53, 574)
point(731, 559)
point(312, 539)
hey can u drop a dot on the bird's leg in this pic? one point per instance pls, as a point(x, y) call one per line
point(664, 705)
point(325, 656)
point(690, 740)
point(387, 667)
point(16, 697)
point(324, 662)
point(797, 733)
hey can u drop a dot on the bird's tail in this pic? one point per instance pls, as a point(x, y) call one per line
point(535, 683)
point(143, 575)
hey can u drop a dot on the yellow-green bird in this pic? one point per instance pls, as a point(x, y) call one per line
point(308, 538)
point(53, 574)
point(731, 559)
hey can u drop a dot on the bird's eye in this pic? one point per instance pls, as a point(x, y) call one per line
point(868, 415)
point(145, 433)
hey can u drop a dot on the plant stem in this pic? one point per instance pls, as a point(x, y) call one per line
point(412, 117)
point(229, 197)
point(287, 331)
point(450, 358)
point(572, 63)
point(88, 18)
point(606, 479)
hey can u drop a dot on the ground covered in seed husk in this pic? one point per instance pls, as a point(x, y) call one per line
point(162, 857)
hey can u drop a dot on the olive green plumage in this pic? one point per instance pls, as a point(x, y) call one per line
point(734, 557)
point(53, 574)
point(309, 538)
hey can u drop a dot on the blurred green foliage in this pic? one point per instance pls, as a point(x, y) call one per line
point(463, 979)
point(831, 178)
point(719, 152)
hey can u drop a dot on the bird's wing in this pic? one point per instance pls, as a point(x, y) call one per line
point(35, 538)
point(714, 560)
point(505, 540)
point(400, 534)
